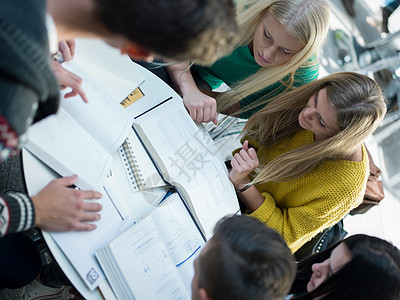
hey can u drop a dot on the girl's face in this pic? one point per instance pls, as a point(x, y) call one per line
point(319, 116)
point(340, 256)
point(272, 45)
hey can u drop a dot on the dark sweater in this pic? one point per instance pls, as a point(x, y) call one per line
point(28, 90)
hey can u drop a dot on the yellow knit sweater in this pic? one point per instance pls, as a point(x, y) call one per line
point(301, 208)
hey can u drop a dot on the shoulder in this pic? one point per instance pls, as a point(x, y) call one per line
point(311, 61)
point(350, 173)
point(352, 166)
point(307, 72)
point(357, 156)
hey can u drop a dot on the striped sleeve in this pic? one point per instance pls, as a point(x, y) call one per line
point(16, 213)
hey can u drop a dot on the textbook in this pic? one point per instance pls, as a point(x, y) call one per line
point(154, 258)
point(81, 137)
point(187, 158)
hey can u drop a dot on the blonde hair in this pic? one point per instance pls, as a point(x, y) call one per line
point(359, 104)
point(306, 21)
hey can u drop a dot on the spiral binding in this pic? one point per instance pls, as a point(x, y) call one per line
point(131, 167)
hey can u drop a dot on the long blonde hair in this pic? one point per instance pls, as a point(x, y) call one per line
point(306, 20)
point(359, 104)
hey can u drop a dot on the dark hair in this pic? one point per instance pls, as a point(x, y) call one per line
point(198, 30)
point(373, 272)
point(246, 260)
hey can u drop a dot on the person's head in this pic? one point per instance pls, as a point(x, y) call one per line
point(341, 109)
point(198, 30)
point(244, 259)
point(272, 44)
point(359, 267)
point(319, 116)
point(282, 36)
point(285, 30)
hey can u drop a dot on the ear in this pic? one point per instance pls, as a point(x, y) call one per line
point(137, 52)
point(204, 295)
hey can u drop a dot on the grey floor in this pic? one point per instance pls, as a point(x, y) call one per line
point(384, 220)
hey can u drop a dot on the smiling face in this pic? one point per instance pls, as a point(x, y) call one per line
point(319, 116)
point(272, 45)
point(340, 256)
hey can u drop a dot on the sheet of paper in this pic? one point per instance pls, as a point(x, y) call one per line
point(103, 117)
point(72, 149)
point(212, 185)
point(62, 144)
point(80, 247)
point(180, 235)
point(108, 60)
point(137, 203)
point(147, 268)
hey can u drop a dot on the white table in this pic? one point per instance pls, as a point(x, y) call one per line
point(38, 175)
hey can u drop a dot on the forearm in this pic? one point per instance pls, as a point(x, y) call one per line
point(182, 77)
point(17, 213)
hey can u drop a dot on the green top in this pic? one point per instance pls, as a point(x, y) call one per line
point(241, 64)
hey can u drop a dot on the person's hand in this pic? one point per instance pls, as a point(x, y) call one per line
point(66, 79)
point(67, 49)
point(243, 163)
point(61, 208)
point(201, 107)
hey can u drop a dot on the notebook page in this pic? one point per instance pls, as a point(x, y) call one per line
point(181, 236)
point(68, 149)
point(191, 160)
point(140, 267)
point(103, 117)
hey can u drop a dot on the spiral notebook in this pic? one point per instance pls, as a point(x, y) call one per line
point(140, 176)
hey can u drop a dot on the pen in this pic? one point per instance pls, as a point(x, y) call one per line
point(73, 186)
point(169, 193)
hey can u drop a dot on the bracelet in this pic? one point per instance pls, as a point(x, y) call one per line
point(244, 189)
